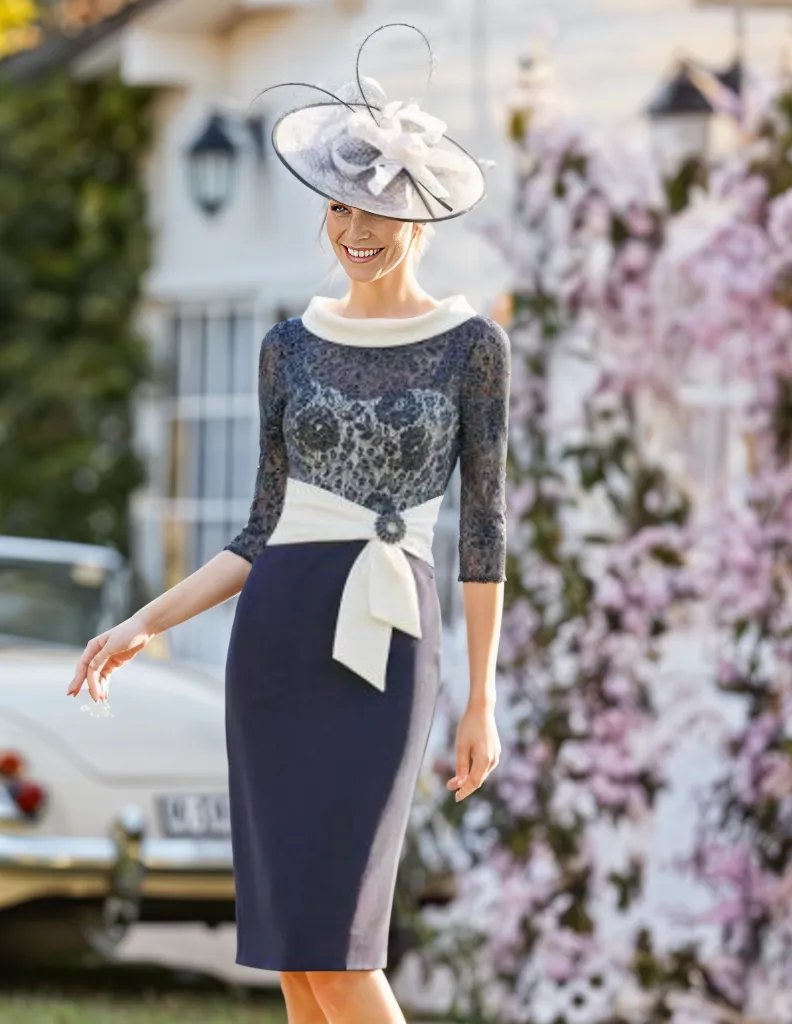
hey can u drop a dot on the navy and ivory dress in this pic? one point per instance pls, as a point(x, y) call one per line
point(333, 666)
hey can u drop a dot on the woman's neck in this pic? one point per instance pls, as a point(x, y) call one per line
point(385, 297)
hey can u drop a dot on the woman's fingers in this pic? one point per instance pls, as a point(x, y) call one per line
point(87, 668)
point(96, 670)
point(79, 673)
point(113, 662)
point(107, 652)
point(473, 779)
point(465, 782)
point(462, 768)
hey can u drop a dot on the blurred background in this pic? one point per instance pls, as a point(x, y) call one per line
point(629, 860)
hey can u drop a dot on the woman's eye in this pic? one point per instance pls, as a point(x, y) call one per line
point(336, 207)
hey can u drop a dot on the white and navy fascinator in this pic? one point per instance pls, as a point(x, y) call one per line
point(384, 156)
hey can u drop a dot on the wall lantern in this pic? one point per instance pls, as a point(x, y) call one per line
point(682, 109)
point(680, 115)
point(213, 156)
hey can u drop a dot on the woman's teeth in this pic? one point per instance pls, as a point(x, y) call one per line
point(361, 255)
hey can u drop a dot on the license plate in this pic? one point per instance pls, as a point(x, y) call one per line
point(195, 814)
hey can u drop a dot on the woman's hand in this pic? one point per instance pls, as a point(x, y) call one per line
point(478, 749)
point(107, 652)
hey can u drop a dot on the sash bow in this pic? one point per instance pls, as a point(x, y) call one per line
point(379, 592)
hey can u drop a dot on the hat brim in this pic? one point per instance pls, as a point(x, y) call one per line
point(296, 139)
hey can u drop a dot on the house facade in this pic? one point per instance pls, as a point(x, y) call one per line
point(218, 280)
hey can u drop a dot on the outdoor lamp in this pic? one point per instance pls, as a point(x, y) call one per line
point(680, 114)
point(211, 161)
point(212, 157)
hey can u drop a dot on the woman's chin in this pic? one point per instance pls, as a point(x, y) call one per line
point(361, 272)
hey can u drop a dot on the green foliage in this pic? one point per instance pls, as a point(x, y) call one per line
point(73, 247)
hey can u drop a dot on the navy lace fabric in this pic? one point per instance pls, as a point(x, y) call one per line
point(384, 426)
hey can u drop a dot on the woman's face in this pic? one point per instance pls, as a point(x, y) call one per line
point(367, 245)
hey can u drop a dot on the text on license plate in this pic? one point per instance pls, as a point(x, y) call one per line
point(195, 814)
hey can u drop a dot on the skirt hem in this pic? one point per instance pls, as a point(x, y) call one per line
point(272, 965)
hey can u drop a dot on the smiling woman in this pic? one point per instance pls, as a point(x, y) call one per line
point(367, 404)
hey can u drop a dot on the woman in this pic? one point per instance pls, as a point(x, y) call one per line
point(333, 666)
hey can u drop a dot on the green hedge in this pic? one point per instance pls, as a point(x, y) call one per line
point(73, 246)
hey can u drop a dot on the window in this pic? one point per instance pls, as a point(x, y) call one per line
point(213, 428)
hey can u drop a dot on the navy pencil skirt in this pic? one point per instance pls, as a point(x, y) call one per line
point(322, 766)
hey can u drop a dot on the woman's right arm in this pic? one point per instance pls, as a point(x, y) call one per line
point(216, 581)
point(225, 573)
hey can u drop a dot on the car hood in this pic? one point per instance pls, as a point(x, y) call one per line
point(167, 724)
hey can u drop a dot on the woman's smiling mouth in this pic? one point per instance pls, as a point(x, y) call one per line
point(361, 255)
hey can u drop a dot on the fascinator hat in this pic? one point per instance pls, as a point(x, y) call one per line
point(385, 156)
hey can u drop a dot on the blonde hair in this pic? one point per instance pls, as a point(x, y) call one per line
point(423, 236)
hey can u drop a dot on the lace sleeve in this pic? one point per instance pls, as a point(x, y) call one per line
point(270, 486)
point(484, 411)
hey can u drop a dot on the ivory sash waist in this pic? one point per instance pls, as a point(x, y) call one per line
point(379, 591)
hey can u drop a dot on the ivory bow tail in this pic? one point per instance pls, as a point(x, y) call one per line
point(379, 593)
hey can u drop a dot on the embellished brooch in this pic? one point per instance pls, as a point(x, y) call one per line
point(390, 526)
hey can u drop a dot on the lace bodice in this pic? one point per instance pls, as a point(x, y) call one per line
point(379, 410)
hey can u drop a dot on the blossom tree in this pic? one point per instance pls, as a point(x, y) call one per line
point(626, 286)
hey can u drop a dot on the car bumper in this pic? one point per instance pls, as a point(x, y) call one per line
point(126, 863)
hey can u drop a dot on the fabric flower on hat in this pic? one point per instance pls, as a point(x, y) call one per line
point(403, 138)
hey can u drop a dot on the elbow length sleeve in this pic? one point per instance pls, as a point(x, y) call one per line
point(270, 484)
point(484, 423)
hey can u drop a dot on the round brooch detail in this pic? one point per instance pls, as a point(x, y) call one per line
point(390, 526)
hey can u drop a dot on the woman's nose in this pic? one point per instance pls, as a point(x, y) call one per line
point(360, 224)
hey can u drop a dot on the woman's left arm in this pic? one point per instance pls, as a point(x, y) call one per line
point(478, 747)
point(484, 428)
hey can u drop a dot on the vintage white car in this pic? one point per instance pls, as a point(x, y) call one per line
point(103, 820)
